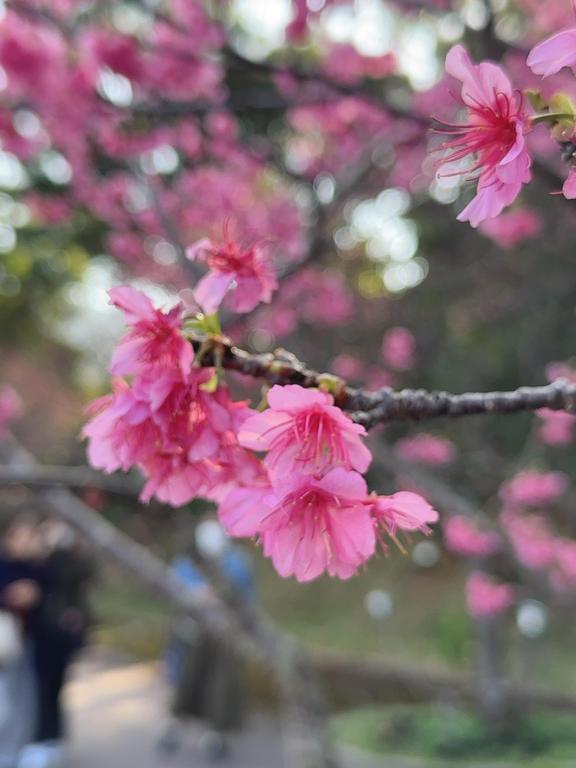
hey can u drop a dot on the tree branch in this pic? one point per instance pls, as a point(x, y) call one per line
point(70, 477)
point(384, 405)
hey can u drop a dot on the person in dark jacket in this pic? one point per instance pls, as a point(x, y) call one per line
point(21, 584)
point(59, 632)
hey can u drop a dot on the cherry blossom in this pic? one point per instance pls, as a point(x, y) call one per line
point(154, 337)
point(512, 227)
point(494, 133)
point(10, 408)
point(486, 598)
point(304, 432)
point(532, 488)
point(312, 526)
point(244, 276)
point(398, 348)
point(464, 538)
point(426, 449)
point(557, 428)
point(403, 511)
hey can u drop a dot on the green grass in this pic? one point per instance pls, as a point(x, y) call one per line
point(451, 738)
point(128, 619)
point(428, 627)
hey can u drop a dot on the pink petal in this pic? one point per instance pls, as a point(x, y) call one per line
point(135, 304)
point(554, 54)
point(295, 397)
point(258, 431)
point(344, 483)
point(198, 250)
point(480, 82)
point(242, 510)
point(211, 290)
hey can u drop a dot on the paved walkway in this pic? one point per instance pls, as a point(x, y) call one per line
point(118, 713)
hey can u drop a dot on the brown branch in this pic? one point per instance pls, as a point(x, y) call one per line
point(419, 404)
point(384, 405)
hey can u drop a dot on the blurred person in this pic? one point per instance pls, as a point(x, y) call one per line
point(21, 584)
point(205, 673)
point(59, 633)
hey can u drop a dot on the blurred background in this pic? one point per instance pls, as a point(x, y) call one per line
point(129, 130)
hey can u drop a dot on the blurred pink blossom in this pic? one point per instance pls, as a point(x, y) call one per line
point(531, 537)
point(10, 408)
point(242, 277)
point(532, 488)
point(346, 65)
point(347, 367)
point(463, 537)
point(399, 348)
point(557, 428)
point(426, 449)
point(486, 598)
point(512, 227)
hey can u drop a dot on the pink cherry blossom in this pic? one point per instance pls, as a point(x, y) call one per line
point(242, 276)
point(177, 433)
point(463, 537)
point(347, 366)
point(563, 576)
point(10, 408)
point(312, 526)
point(120, 433)
point(154, 337)
point(404, 511)
point(344, 64)
point(238, 511)
point(531, 537)
point(398, 348)
point(557, 370)
point(531, 488)
point(486, 598)
point(494, 133)
point(557, 428)
point(555, 53)
point(426, 449)
point(512, 227)
point(545, 17)
point(304, 432)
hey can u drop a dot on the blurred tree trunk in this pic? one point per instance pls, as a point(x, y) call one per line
point(494, 702)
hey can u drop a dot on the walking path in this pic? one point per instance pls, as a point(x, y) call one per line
point(118, 713)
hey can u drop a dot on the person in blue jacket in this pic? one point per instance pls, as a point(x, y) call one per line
point(206, 674)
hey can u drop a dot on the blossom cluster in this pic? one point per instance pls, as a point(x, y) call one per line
point(306, 500)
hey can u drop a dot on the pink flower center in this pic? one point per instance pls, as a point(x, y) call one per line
point(489, 134)
point(229, 257)
point(318, 438)
point(307, 507)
